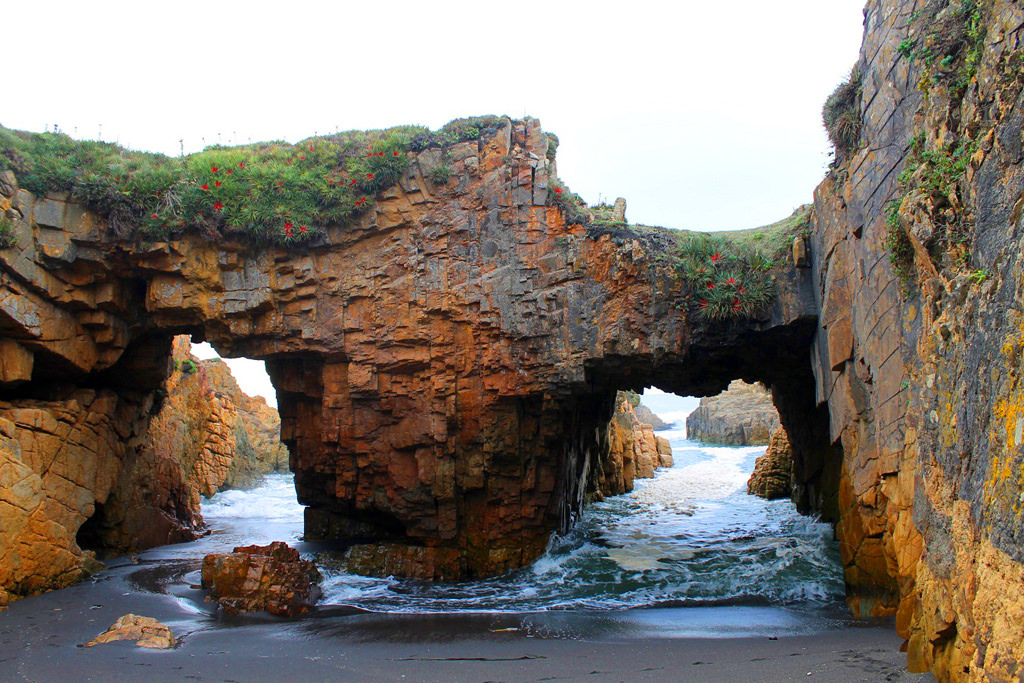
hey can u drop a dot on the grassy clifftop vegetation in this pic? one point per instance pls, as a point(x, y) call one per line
point(269, 192)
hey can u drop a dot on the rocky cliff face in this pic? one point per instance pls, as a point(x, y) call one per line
point(635, 451)
point(74, 480)
point(742, 415)
point(446, 367)
point(920, 364)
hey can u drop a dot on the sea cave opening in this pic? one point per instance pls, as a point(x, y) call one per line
point(693, 533)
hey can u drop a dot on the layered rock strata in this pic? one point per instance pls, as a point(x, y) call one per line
point(742, 415)
point(634, 452)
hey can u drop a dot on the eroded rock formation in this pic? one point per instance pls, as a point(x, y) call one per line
point(634, 452)
point(253, 578)
point(446, 368)
point(773, 472)
point(742, 415)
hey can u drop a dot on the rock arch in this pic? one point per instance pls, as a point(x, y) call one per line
point(445, 369)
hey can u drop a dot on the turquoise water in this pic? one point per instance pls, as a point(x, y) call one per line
point(689, 537)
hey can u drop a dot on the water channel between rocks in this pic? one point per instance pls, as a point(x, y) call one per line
point(687, 553)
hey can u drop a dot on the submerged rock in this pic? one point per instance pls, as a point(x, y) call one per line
point(254, 578)
point(145, 631)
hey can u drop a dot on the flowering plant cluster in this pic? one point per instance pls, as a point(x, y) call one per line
point(571, 204)
point(276, 192)
point(727, 279)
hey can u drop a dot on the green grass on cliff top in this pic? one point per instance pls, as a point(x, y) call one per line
point(271, 192)
point(728, 274)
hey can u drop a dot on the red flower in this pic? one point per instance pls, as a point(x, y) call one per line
point(716, 257)
point(380, 154)
point(217, 184)
point(731, 282)
point(213, 168)
point(711, 285)
point(558, 191)
point(287, 225)
point(395, 153)
point(370, 176)
point(361, 201)
point(205, 186)
point(330, 182)
point(280, 183)
point(703, 304)
point(303, 228)
point(353, 181)
point(218, 206)
point(302, 156)
point(369, 154)
point(183, 224)
point(230, 171)
point(737, 306)
point(311, 147)
point(155, 216)
point(241, 164)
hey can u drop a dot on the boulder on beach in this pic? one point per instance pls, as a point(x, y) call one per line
point(145, 631)
point(254, 578)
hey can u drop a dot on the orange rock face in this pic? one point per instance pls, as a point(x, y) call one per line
point(773, 472)
point(446, 369)
point(254, 578)
point(634, 452)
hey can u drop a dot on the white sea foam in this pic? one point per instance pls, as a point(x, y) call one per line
point(274, 500)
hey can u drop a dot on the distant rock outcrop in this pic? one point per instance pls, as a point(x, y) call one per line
point(635, 452)
point(222, 437)
point(743, 415)
point(773, 472)
point(647, 416)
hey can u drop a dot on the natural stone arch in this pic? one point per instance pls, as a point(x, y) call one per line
point(445, 368)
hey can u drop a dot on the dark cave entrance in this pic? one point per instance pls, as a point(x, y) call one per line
point(92, 534)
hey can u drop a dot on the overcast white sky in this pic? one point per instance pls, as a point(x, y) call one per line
point(703, 115)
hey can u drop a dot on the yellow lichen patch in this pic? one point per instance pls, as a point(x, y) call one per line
point(1005, 481)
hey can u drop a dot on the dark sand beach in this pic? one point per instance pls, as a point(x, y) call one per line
point(41, 639)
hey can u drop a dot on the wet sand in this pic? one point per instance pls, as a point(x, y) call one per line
point(41, 638)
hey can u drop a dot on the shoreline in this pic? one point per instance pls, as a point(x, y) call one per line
point(41, 639)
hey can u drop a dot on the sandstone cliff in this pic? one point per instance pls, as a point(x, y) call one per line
point(446, 361)
point(130, 490)
point(743, 415)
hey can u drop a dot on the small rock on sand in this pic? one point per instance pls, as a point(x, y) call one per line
point(145, 631)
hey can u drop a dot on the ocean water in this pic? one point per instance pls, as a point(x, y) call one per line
point(688, 538)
